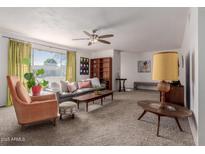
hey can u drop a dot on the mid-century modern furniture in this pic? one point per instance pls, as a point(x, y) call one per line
point(123, 84)
point(147, 84)
point(178, 112)
point(92, 97)
point(102, 69)
point(67, 108)
point(175, 95)
point(165, 69)
point(37, 108)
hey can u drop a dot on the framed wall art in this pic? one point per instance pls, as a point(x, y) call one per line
point(84, 66)
point(144, 66)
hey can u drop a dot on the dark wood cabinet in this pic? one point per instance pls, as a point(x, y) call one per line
point(175, 95)
point(102, 69)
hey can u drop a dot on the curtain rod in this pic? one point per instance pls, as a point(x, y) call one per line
point(31, 42)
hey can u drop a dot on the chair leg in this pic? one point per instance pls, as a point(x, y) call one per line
point(61, 116)
point(54, 122)
point(73, 115)
point(23, 127)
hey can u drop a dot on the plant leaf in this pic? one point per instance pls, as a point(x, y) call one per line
point(44, 83)
point(40, 72)
point(28, 76)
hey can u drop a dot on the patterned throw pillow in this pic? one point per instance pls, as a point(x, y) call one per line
point(72, 87)
point(64, 86)
point(95, 82)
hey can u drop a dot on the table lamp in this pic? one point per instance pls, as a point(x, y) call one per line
point(165, 69)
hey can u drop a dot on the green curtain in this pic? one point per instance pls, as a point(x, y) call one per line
point(71, 66)
point(17, 53)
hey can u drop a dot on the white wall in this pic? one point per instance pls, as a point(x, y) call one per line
point(190, 49)
point(129, 67)
point(201, 76)
point(103, 53)
point(78, 55)
point(3, 70)
point(116, 68)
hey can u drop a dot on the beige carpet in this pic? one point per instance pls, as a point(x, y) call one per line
point(113, 124)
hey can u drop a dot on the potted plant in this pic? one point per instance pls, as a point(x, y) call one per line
point(34, 83)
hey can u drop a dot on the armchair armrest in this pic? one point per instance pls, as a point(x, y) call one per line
point(44, 97)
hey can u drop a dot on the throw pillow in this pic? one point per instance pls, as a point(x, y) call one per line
point(83, 84)
point(95, 82)
point(72, 87)
point(22, 93)
point(64, 86)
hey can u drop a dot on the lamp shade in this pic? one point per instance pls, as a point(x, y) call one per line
point(165, 66)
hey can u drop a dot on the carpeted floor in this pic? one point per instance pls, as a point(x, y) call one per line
point(113, 124)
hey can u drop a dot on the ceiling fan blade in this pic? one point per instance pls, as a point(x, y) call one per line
point(89, 43)
point(103, 41)
point(106, 36)
point(80, 39)
point(86, 33)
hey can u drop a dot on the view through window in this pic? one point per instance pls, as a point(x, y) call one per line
point(53, 63)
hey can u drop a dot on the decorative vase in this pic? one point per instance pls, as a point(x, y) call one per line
point(97, 92)
point(36, 90)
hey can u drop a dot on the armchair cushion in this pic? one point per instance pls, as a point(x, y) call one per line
point(22, 93)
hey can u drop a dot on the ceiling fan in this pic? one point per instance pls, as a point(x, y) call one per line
point(94, 37)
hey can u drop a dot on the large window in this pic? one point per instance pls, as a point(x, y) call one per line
point(53, 63)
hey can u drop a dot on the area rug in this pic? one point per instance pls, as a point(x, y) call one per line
point(114, 123)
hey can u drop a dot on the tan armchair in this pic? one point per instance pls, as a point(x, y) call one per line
point(39, 108)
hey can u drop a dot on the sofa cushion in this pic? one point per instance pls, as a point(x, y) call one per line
point(66, 95)
point(72, 86)
point(83, 91)
point(22, 93)
point(64, 87)
point(84, 84)
point(95, 82)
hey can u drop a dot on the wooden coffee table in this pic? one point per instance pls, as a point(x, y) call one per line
point(172, 110)
point(90, 97)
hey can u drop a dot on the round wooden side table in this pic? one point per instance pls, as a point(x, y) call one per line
point(172, 111)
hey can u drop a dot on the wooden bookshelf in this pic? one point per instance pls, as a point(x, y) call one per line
point(102, 69)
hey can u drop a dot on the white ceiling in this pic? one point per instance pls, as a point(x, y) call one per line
point(135, 29)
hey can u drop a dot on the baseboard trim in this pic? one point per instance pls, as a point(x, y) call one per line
point(193, 127)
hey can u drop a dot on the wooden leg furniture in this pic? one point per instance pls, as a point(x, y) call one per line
point(175, 112)
point(91, 97)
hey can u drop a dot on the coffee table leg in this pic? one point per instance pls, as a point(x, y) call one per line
point(158, 125)
point(177, 121)
point(143, 113)
point(78, 104)
point(101, 101)
point(86, 109)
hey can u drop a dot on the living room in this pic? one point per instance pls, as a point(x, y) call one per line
point(102, 73)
